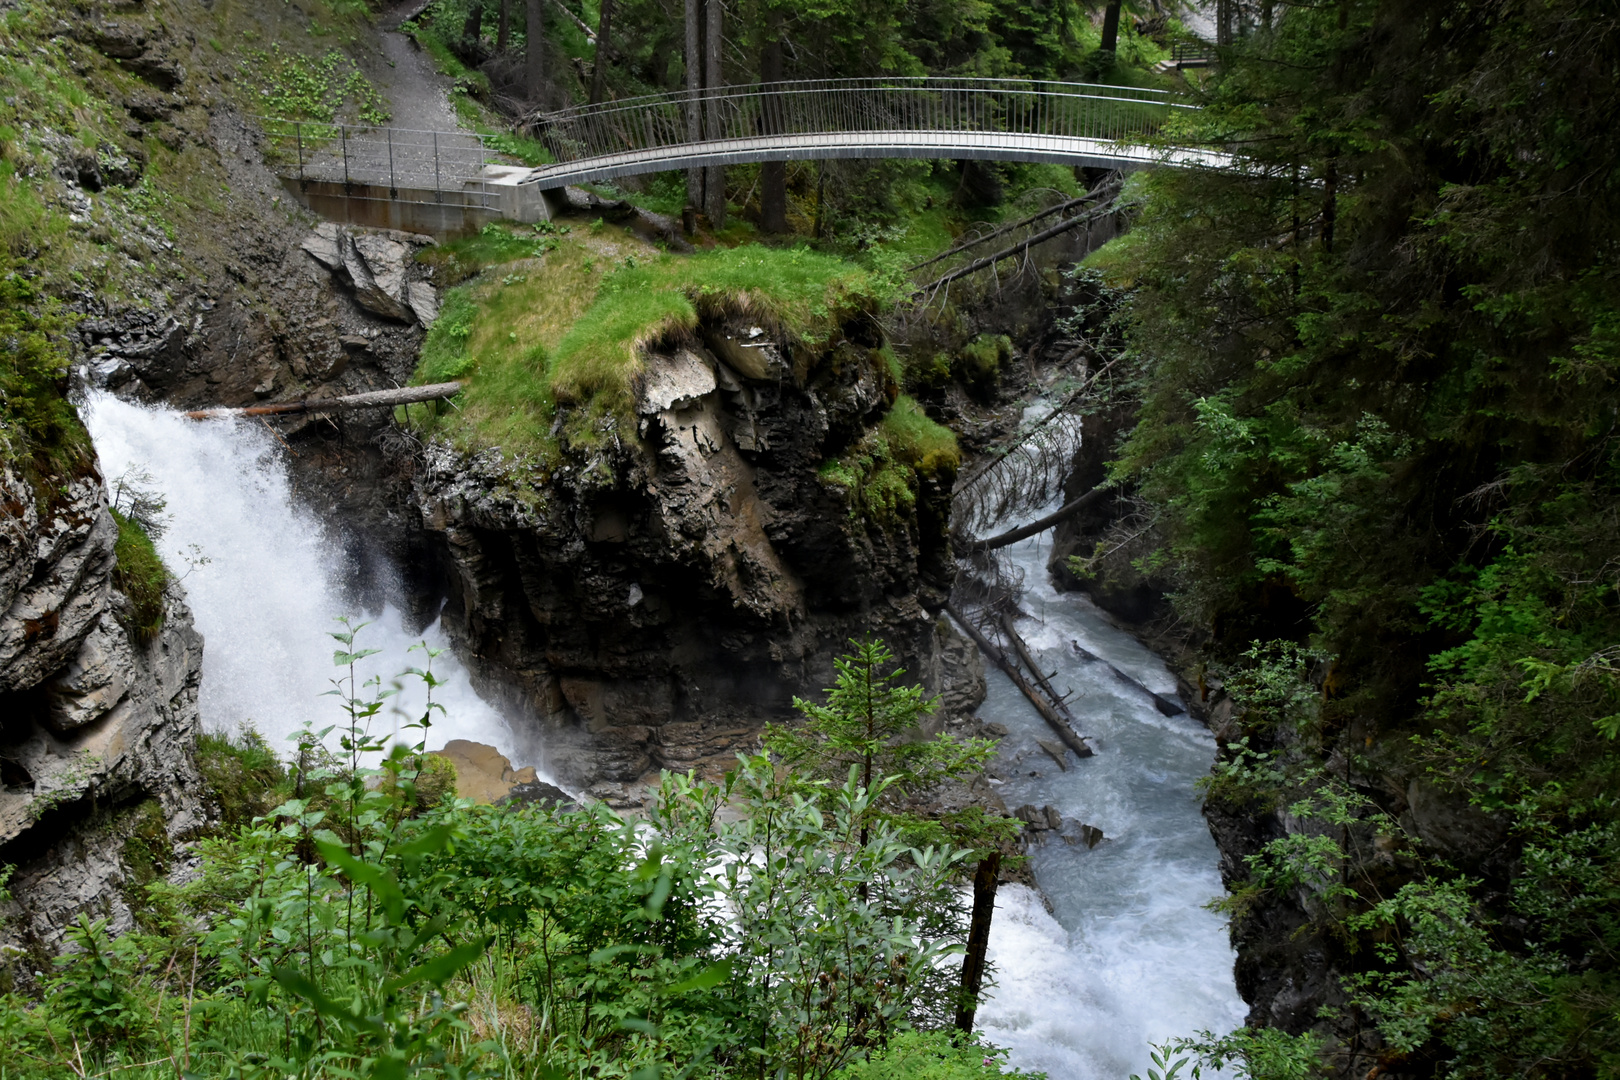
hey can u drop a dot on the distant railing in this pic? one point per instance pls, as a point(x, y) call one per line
point(791, 111)
point(436, 166)
point(1193, 53)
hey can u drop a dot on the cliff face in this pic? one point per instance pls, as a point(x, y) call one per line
point(97, 723)
point(655, 601)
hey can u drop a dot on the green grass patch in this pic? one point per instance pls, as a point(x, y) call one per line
point(571, 326)
point(243, 773)
point(496, 243)
point(919, 442)
point(879, 475)
point(141, 576)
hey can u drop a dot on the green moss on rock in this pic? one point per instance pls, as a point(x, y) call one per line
point(141, 576)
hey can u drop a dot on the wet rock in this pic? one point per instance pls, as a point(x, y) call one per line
point(1042, 819)
point(1457, 828)
point(54, 573)
point(378, 268)
point(483, 773)
point(995, 730)
point(656, 600)
point(116, 729)
point(118, 41)
point(678, 381)
point(375, 269)
point(1056, 751)
point(423, 300)
point(541, 793)
point(95, 681)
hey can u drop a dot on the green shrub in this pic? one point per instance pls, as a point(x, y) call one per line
point(141, 576)
point(243, 774)
point(979, 363)
point(933, 1055)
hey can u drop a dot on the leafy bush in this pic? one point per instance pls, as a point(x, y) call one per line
point(141, 576)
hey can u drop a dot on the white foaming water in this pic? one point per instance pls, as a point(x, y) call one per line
point(267, 599)
point(1128, 956)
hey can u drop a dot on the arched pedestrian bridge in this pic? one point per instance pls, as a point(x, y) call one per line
point(987, 119)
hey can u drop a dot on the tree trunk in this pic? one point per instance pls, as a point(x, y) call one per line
point(503, 27)
point(534, 68)
point(694, 83)
point(714, 178)
point(772, 174)
point(604, 27)
point(373, 399)
point(473, 28)
point(1110, 30)
point(984, 907)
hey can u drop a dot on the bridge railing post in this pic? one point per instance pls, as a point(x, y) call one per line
point(298, 133)
point(343, 136)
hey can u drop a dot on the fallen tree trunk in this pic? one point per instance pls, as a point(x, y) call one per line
point(1029, 661)
point(1024, 532)
point(375, 399)
point(1166, 706)
point(1106, 191)
point(990, 260)
point(1048, 712)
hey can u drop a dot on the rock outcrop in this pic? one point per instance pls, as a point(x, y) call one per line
point(660, 598)
point(377, 267)
point(95, 723)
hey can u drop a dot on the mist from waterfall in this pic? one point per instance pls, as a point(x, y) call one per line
point(273, 584)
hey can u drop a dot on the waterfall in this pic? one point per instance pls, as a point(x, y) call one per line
point(266, 599)
point(1128, 956)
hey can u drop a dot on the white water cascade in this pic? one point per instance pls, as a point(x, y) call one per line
point(267, 598)
point(1128, 956)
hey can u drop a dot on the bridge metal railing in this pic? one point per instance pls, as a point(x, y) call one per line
point(1009, 107)
point(445, 167)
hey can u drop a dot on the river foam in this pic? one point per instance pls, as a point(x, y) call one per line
point(273, 585)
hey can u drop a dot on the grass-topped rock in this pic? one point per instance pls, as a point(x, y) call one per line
point(679, 485)
point(565, 319)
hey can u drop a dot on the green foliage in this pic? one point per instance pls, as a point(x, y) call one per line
point(366, 926)
point(141, 576)
point(296, 86)
point(933, 1055)
point(871, 726)
point(1377, 374)
point(92, 984)
point(881, 473)
point(34, 414)
point(1260, 1054)
point(244, 776)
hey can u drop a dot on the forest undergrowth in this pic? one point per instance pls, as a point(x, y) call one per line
point(351, 917)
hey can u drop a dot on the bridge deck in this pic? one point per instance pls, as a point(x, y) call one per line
point(982, 145)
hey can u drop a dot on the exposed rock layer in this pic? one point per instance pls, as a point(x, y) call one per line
point(93, 721)
point(658, 601)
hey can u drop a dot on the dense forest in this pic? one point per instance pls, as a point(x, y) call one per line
point(1362, 379)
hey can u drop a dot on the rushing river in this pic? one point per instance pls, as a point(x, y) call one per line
point(1128, 956)
point(274, 582)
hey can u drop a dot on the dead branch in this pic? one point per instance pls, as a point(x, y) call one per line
point(375, 399)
